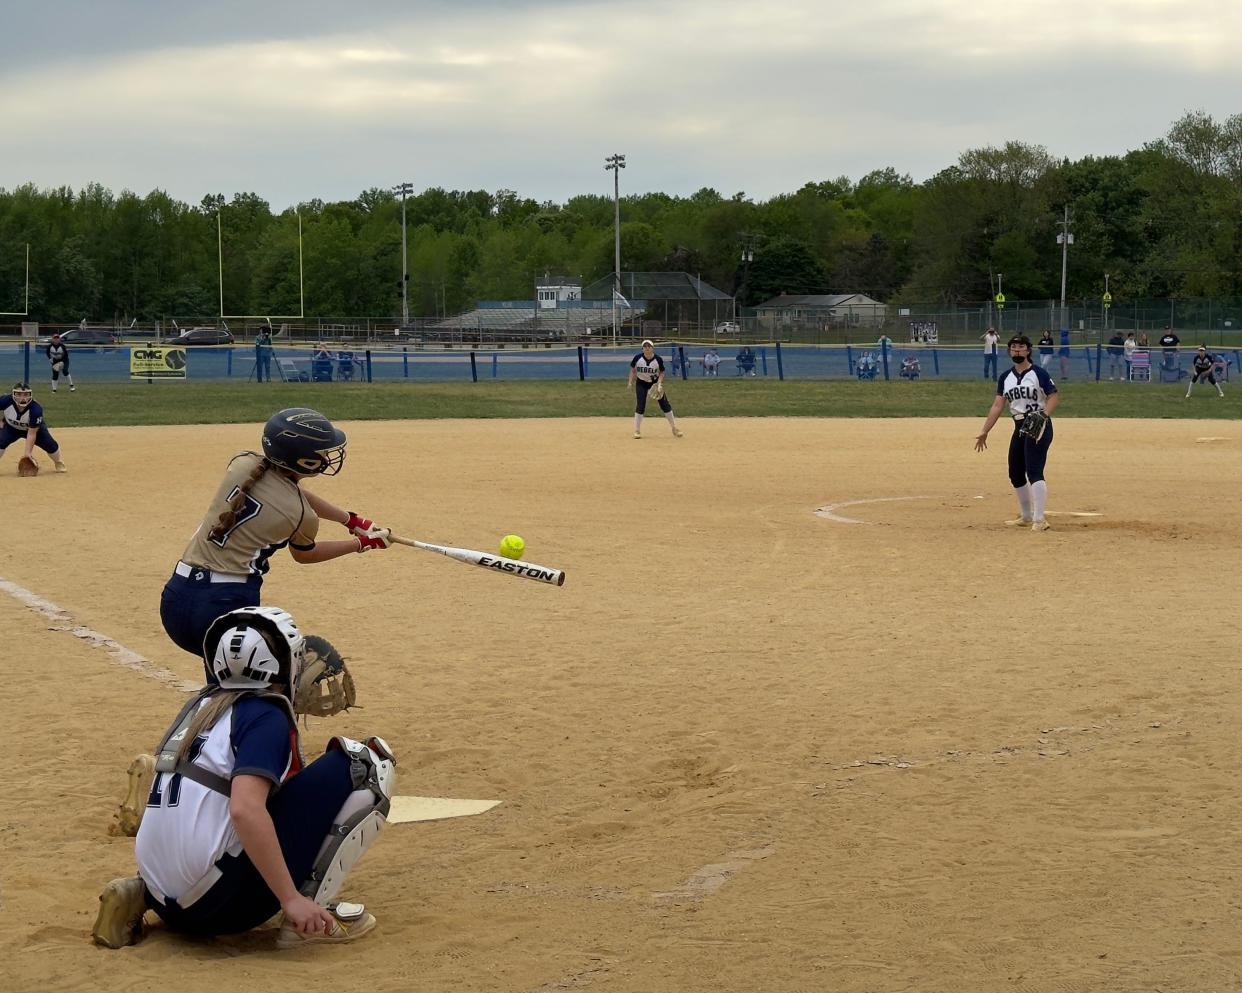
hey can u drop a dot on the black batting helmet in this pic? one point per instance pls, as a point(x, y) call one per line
point(304, 441)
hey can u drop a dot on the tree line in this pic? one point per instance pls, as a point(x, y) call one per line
point(1163, 221)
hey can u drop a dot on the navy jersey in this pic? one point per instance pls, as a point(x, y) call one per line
point(57, 353)
point(647, 370)
point(1026, 391)
point(1204, 362)
point(21, 420)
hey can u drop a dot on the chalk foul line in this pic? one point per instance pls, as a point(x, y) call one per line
point(829, 511)
point(61, 620)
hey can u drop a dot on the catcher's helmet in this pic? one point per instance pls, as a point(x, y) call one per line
point(253, 647)
point(304, 441)
point(22, 394)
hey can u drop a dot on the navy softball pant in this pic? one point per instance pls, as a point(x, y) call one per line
point(1027, 457)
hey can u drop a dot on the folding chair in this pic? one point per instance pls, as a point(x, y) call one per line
point(1140, 367)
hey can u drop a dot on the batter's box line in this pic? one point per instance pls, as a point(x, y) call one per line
point(63, 622)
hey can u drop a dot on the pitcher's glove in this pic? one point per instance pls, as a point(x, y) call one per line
point(657, 390)
point(26, 466)
point(325, 686)
point(1033, 425)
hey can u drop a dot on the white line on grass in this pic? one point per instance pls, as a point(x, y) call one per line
point(61, 620)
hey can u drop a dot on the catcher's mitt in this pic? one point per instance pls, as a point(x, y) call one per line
point(26, 466)
point(325, 686)
point(1033, 425)
point(657, 390)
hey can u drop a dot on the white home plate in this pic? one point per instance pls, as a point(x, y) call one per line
point(405, 809)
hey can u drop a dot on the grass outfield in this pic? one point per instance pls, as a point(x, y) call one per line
point(228, 403)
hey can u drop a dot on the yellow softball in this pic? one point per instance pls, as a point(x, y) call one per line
point(512, 546)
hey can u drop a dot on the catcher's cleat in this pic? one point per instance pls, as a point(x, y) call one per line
point(122, 906)
point(129, 816)
point(1041, 526)
point(1019, 522)
point(351, 922)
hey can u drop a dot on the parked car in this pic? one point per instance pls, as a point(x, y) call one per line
point(203, 336)
point(85, 336)
point(728, 327)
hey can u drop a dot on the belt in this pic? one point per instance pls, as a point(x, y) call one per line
point(183, 569)
point(193, 894)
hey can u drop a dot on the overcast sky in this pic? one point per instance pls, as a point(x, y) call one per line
point(296, 99)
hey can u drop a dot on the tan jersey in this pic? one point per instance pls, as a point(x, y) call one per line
point(275, 514)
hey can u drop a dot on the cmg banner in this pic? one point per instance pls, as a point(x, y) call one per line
point(156, 362)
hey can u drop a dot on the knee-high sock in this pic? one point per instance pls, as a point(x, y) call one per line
point(1039, 498)
point(1023, 494)
point(638, 422)
point(672, 421)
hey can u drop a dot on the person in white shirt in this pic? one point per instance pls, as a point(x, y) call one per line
point(990, 339)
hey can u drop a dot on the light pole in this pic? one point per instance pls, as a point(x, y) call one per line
point(1064, 239)
point(404, 189)
point(615, 163)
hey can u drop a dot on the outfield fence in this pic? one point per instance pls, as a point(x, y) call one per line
point(22, 361)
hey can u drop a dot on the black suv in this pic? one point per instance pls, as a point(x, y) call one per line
point(202, 336)
point(85, 336)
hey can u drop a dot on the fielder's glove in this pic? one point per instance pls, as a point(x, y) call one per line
point(325, 686)
point(657, 391)
point(1033, 425)
point(26, 466)
point(58, 367)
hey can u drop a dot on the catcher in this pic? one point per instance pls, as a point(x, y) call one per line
point(23, 421)
point(1032, 397)
point(647, 379)
point(325, 688)
point(236, 829)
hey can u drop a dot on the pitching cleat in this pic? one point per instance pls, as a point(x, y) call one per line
point(637, 435)
point(1041, 526)
point(122, 906)
point(1019, 522)
point(127, 818)
point(677, 433)
point(351, 922)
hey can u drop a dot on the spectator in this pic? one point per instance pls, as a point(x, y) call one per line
point(711, 363)
point(263, 356)
point(1045, 349)
point(345, 365)
point(910, 367)
point(1129, 346)
point(1063, 353)
point(990, 338)
point(1116, 353)
point(746, 361)
point(883, 342)
point(1168, 345)
point(321, 364)
point(1221, 366)
point(1142, 340)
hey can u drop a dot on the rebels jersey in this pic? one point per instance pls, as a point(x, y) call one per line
point(186, 826)
point(275, 514)
point(1203, 362)
point(1026, 391)
point(648, 370)
point(57, 353)
point(31, 416)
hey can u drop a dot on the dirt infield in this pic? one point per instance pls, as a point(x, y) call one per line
point(744, 748)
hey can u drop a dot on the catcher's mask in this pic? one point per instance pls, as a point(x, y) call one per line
point(22, 394)
point(253, 647)
point(304, 441)
point(1022, 341)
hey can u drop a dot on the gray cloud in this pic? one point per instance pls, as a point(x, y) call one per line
point(295, 101)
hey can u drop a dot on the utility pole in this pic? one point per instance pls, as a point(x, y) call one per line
point(616, 163)
point(405, 189)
